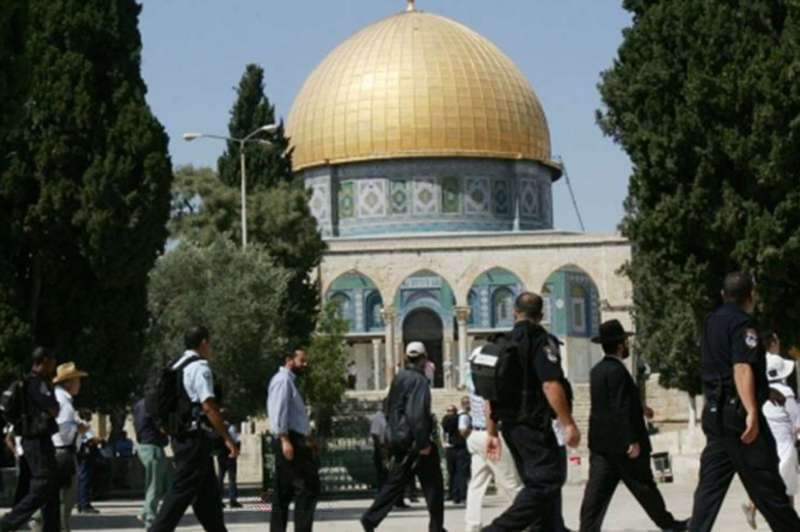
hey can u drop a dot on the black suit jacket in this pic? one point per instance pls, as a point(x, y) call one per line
point(617, 416)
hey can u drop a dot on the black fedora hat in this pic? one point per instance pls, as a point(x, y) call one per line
point(611, 331)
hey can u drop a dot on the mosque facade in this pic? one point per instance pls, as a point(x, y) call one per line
point(428, 159)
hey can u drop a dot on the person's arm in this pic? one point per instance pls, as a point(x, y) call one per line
point(746, 388)
point(211, 411)
point(557, 397)
point(494, 446)
point(464, 425)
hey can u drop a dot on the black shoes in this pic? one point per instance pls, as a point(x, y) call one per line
point(679, 526)
point(91, 510)
point(367, 527)
point(235, 504)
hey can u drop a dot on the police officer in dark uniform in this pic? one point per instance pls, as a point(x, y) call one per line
point(38, 425)
point(738, 437)
point(410, 436)
point(527, 428)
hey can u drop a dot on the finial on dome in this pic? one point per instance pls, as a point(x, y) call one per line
point(410, 6)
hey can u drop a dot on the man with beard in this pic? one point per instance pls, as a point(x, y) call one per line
point(296, 466)
point(619, 444)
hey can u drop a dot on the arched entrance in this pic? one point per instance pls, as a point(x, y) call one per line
point(424, 325)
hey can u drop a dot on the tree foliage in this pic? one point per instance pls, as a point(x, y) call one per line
point(266, 167)
point(325, 384)
point(237, 295)
point(85, 194)
point(705, 98)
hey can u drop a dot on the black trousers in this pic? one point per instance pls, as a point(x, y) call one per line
point(757, 467)
point(23, 480)
point(460, 473)
point(40, 457)
point(195, 483)
point(558, 507)
point(537, 457)
point(230, 467)
point(404, 467)
point(381, 471)
point(296, 480)
point(605, 472)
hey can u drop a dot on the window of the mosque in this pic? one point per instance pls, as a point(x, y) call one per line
point(474, 303)
point(502, 307)
point(373, 307)
point(344, 306)
point(578, 294)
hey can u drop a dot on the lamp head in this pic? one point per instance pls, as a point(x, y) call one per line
point(188, 137)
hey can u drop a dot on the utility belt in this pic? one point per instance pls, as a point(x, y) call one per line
point(723, 414)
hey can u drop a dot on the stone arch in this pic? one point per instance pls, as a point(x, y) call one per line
point(491, 298)
point(359, 299)
point(572, 301)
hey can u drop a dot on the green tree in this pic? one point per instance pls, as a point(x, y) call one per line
point(266, 167)
point(704, 97)
point(237, 295)
point(87, 192)
point(324, 385)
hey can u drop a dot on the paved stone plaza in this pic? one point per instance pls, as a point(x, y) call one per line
point(342, 516)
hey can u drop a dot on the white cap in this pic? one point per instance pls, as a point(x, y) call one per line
point(415, 349)
point(778, 368)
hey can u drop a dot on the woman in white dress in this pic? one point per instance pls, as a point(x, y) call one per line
point(784, 422)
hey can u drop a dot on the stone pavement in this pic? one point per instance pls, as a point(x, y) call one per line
point(342, 516)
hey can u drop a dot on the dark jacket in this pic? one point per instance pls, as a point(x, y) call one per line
point(410, 424)
point(617, 416)
point(147, 431)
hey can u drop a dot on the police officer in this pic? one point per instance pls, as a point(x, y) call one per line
point(527, 428)
point(738, 437)
point(410, 438)
point(195, 481)
point(38, 425)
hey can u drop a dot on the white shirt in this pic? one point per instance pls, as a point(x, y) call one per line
point(464, 421)
point(783, 420)
point(67, 420)
point(198, 381)
point(233, 432)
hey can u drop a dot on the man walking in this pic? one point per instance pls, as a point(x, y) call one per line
point(410, 432)
point(37, 426)
point(618, 440)
point(527, 425)
point(502, 469)
point(150, 449)
point(296, 467)
point(380, 451)
point(195, 482)
point(229, 467)
point(738, 439)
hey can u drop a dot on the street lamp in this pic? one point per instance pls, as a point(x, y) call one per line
point(269, 128)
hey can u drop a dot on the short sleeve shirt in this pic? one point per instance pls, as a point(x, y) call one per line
point(198, 381)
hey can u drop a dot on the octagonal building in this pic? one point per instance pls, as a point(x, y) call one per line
point(428, 158)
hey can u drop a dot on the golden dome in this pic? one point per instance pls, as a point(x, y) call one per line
point(416, 85)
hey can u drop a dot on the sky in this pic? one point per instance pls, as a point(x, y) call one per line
point(195, 51)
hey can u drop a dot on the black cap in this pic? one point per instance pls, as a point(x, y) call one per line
point(611, 331)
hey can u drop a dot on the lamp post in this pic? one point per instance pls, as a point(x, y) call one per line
point(188, 137)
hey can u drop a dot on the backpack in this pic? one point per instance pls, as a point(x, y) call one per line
point(12, 405)
point(169, 403)
point(497, 373)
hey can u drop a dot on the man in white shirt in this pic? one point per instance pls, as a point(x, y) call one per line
point(67, 386)
point(195, 480)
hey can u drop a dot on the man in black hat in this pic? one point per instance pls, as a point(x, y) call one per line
point(619, 444)
point(739, 441)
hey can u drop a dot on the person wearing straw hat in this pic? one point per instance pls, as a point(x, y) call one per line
point(619, 443)
point(783, 420)
point(67, 386)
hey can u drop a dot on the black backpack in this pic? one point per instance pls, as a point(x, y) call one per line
point(169, 404)
point(498, 374)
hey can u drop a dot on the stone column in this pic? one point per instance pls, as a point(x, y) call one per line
point(447, 360)
point(389, 315)
point(462, 315)
point(376, 363)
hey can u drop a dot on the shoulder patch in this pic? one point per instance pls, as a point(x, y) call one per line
point(751, 338)
point(551, 351)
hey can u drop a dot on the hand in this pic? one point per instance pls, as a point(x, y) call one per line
point(634, 450)
point(572, 436)
point(233, 449)
point(287, 449)
point(751, 431)
point(776, 397)
point(494, 448)
point(648, 412)
point(426, 451)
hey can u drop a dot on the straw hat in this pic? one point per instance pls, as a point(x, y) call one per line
point(67, 371)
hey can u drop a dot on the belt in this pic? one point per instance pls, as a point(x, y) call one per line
point(479, 429)
point(66, 448)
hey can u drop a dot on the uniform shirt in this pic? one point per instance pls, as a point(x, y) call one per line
point(377, 427)
point(285, 407)
point(42, 397)
point(730, 337)
point(198, 381)
point(464, 421)
point(547, 361)
point(67, 420)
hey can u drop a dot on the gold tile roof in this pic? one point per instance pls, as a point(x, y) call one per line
point(416, 85)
